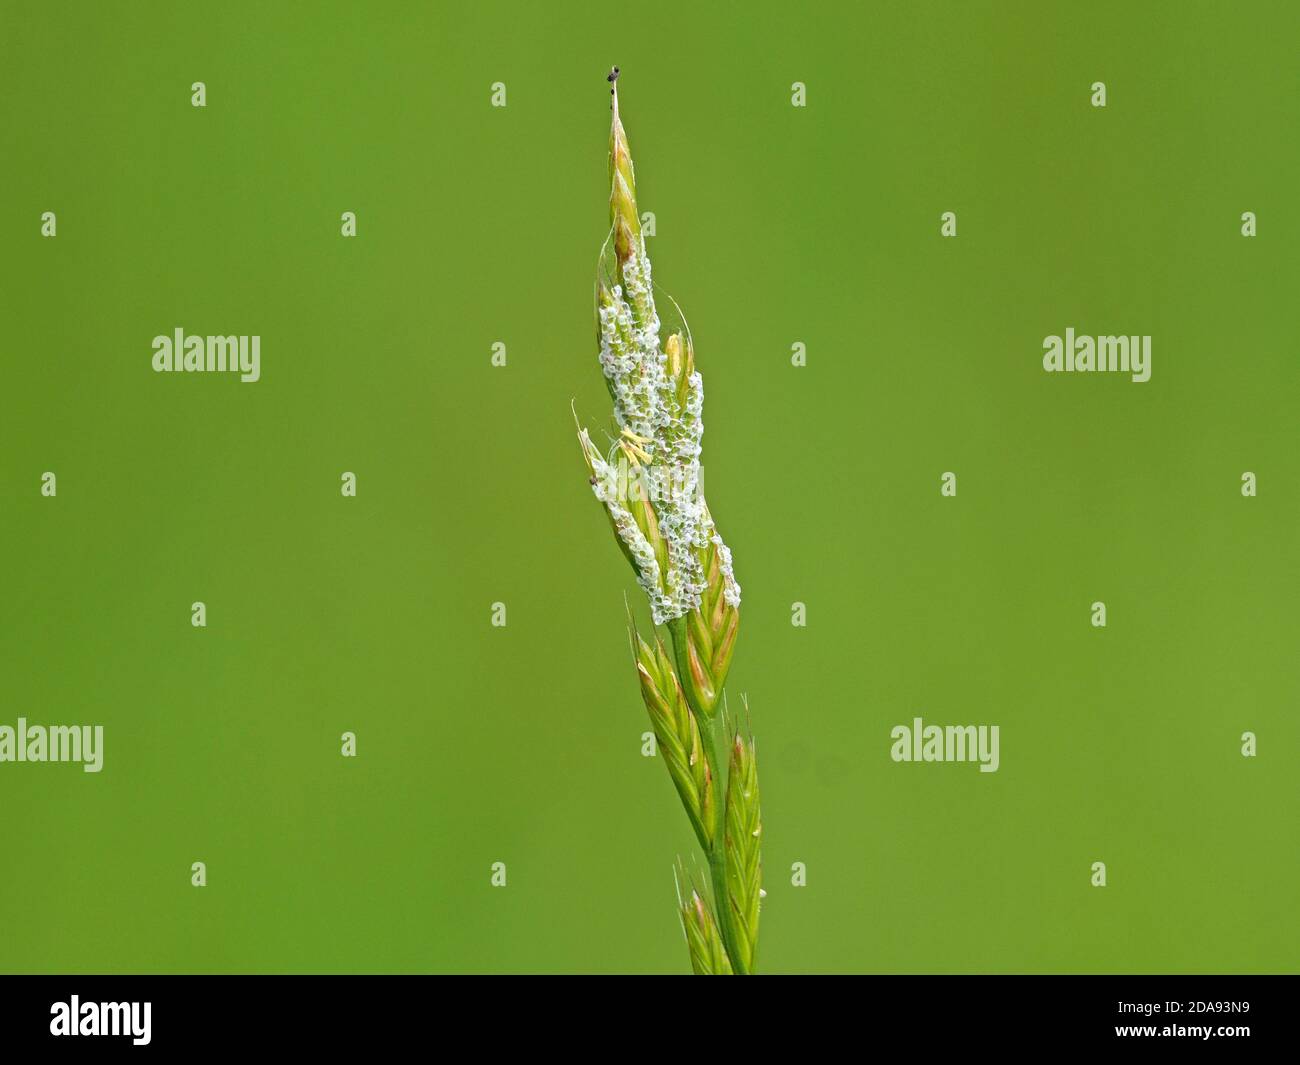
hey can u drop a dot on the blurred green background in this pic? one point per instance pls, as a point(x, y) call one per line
point(775, 225)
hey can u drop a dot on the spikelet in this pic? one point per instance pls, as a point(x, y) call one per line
point(743, 841)
point(703, 937)
point(678, 736)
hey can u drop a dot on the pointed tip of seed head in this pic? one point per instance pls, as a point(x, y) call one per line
point(624, 220)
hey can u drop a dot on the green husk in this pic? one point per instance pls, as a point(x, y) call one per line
point(743, 841)
point(708, 639)
point(703, 939)
point(678, 736)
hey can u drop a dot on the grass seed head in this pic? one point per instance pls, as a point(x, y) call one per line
point(658, 399)
point(649, 482)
